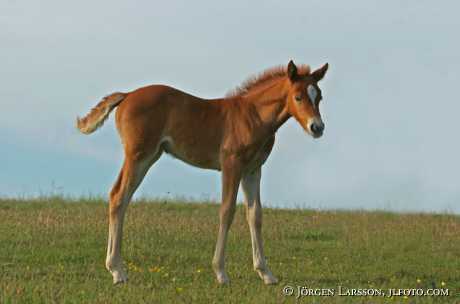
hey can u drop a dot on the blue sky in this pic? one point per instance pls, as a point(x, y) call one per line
point(390, 97)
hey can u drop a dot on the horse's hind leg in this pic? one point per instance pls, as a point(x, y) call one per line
point(134, 169)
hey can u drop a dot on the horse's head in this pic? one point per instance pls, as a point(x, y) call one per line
point(304, 97)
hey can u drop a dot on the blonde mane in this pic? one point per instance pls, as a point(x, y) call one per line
point(261, 79)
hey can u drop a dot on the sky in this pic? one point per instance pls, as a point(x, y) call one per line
point(390, 99)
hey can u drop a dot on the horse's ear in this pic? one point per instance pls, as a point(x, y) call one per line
point(319, 73)
point(292, 71)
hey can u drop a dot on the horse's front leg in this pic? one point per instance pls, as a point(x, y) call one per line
point(231, 175)
point(251, 188)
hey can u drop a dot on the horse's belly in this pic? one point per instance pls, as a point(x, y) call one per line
point(196, 154)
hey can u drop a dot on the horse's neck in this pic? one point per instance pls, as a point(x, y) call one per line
point(270, 104)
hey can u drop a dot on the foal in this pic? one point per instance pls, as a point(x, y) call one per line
point(234, 135)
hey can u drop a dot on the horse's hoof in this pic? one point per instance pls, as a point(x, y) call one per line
point(270, 280)
point(119, 277)
point(222, 278)
point(267, 277)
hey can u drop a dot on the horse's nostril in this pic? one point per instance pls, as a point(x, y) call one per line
point(317, 128)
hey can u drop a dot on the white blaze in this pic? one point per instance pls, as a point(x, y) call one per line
point(312, 93)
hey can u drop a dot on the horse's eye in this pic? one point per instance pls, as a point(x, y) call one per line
point(298, 98)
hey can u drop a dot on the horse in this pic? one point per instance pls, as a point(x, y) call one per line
point(234, 135)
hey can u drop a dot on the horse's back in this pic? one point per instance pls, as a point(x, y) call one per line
point(160, 115)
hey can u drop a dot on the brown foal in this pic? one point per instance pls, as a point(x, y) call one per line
point(234, 135)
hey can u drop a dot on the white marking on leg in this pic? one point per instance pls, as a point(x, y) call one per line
point(230, 183)
point(218, 262)
point(132, 175)
point(114, 262)
point(251, 188)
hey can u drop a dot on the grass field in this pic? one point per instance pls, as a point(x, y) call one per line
point(53, 251)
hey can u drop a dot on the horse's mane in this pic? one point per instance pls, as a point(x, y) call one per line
point(260, 79)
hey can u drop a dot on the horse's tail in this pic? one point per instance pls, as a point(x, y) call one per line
point(96, 117)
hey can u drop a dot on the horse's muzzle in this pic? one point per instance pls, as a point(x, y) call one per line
point(317, 128)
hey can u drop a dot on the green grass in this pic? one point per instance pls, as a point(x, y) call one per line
point(53, 251)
